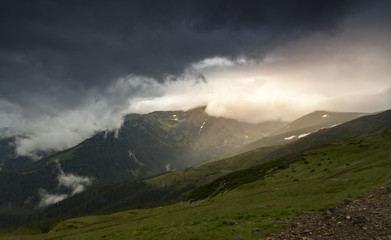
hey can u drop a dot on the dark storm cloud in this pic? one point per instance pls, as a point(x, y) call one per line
point(53, 51)
point(70, 68)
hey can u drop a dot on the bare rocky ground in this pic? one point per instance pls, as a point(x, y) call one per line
point(365, 218)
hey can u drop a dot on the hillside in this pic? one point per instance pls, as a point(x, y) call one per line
point(312, 180)
point(217, 175)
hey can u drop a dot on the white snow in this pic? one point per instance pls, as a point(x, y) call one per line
point(202, 126)
point(246, 136)
point(335, 125)
point(290, 138)
point(325, 116)
point(132, 155)
point(303, 135)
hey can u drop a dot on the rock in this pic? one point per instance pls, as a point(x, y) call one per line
point(358, 219)
point(346, 201)
point(368, 218)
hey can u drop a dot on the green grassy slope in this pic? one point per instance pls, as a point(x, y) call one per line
point(249, 204)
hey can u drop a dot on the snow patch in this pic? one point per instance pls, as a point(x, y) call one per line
point(325, 116)
point(132, 155)
point(290, 138)
point(335, 125)
point(135, 172)
point(202, 126)
point(303, 135)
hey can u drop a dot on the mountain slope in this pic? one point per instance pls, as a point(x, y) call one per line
point(287, 154)
point(144, 145)
point(158, 142)
point(296, 130)
point(171, 186)
point(314, 179)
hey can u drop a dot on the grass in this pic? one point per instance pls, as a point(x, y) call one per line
point(321, 178)
point(210, 171)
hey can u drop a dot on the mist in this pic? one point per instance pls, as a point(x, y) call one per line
point(76, 184)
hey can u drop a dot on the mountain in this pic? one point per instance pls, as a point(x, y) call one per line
point(318, 120)
point(144, 145)
point(239, 169)
point(214, 177)
point(299, 128)
point(286, 154)
point(314, 179)
point(157, 142)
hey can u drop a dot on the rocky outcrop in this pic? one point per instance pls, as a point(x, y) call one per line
point(365, 218)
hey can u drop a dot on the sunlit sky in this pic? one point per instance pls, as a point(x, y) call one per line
point(71, 68)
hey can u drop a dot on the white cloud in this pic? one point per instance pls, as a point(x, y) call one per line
point(213, 62)
point(65, 129)
point(49, 199)
point(75, 183)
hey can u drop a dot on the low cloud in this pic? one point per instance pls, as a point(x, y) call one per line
point(76, 184)
point(49, 199)
point(63, 130)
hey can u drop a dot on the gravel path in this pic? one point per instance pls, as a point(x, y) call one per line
point(365, 218)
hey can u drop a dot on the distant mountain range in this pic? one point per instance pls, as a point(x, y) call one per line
point(144, 145)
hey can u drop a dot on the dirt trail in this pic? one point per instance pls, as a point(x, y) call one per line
point(365, 218)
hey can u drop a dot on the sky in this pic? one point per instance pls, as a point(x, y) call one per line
point(71, 68)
